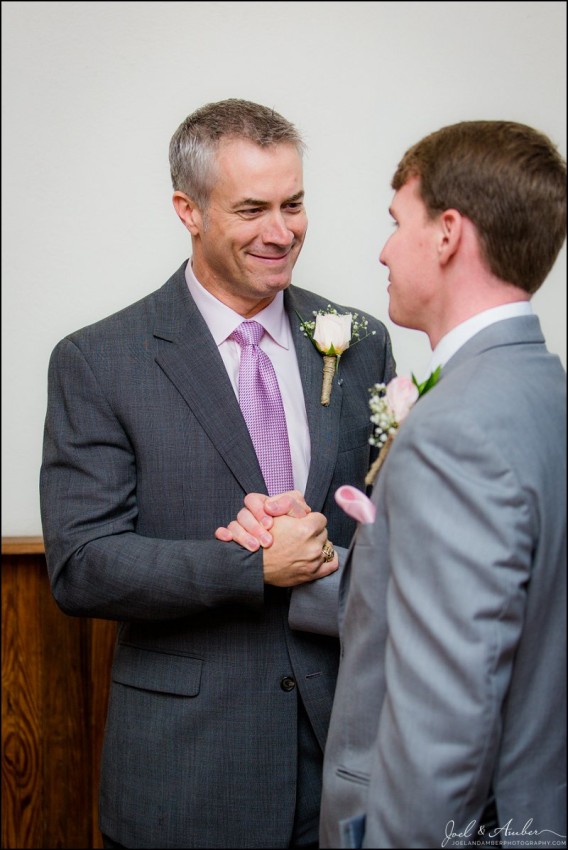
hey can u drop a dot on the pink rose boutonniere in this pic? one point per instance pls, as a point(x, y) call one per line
point(390, 405)
point(332, 334)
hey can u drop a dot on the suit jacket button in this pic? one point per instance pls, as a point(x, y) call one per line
point(287, 683)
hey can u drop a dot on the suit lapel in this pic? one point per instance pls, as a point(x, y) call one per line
point(189, 357)
point(323, 422)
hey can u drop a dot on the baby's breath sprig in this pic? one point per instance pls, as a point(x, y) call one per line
point(382, 416)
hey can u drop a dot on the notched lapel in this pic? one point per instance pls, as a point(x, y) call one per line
point(323, 422)
point(189, 357)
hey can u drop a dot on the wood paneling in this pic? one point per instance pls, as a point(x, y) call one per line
point(22, 546)
point(55, 675)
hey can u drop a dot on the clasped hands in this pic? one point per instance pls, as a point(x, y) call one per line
point(293, 538)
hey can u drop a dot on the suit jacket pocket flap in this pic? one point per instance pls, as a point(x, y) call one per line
point(157, 671)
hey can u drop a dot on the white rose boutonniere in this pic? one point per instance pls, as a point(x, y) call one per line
point(390, 405)
point(332, 334)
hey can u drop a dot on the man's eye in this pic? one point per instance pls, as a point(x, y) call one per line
point(251, 211)
point(294, 206)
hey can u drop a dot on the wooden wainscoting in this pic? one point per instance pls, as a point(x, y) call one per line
point(55, 681)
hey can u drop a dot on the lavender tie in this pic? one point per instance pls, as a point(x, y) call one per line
point(261, 404)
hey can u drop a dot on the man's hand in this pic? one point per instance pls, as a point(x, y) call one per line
point(296, 555)
point(293, 545)
point(251, 527)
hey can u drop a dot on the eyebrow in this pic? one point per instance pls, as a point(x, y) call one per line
point(254, 202)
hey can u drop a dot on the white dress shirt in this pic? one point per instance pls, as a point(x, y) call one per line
point(278, 345)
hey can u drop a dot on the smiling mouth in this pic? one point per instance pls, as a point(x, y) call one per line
point(271, 258)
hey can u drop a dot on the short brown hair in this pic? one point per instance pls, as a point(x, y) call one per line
point(508, 179)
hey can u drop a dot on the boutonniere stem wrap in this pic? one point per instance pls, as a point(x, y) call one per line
point(330, 364)
point(390, 405)
point(332, 334)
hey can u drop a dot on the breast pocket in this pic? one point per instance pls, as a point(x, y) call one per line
point(353, 458)
point(354, 438)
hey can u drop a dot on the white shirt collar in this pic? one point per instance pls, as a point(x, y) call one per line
point(458, 336)
point(222, 320)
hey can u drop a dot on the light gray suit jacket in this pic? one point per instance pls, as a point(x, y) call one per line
point(453, 611)
point(145, 454)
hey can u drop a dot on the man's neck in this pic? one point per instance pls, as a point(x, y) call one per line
point(486, 294)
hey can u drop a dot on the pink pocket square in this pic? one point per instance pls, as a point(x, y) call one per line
point(355, 504)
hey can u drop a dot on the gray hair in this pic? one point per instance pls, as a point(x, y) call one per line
point(195, 143)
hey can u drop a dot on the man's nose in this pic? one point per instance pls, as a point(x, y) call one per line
point(276, 231)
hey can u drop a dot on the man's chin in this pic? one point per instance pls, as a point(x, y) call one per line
point(273, 283)
point(396, 316)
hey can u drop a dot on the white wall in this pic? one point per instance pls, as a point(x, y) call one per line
point(92, 92)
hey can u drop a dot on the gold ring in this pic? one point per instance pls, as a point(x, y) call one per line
point(328, 551)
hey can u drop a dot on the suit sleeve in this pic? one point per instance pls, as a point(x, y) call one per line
point(460, 535)
point(314, 605)
point(98, 565)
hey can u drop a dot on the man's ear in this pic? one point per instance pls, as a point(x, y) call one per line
point(451, 231)
point(188, 212)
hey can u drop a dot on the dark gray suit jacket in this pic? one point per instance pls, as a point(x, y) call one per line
point(145, 454)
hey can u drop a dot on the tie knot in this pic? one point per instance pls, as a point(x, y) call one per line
point(248, 333)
